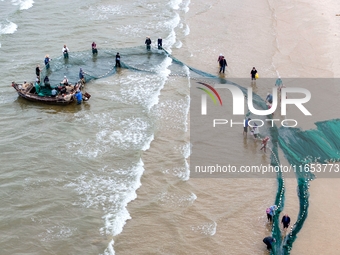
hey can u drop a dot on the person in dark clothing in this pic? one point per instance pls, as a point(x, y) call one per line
point(246, 126)
point(269, 98)
point(37, 71)
point(285, 221)
point(117, 60)
point(47, 62)
point(253, 72)
point(148, 43)
point(219, 58)
point(223, 64)
point(46, 81)
point(268, 241)
point(94, 48)
point(269, 216)
point(81, 76)
point(159, 43)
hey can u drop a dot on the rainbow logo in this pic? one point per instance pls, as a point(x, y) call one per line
point(211, 94)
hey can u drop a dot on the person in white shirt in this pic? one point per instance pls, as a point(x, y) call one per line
point(65, 51)
point(65, 81)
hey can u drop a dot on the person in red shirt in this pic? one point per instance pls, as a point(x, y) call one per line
point(264, 143)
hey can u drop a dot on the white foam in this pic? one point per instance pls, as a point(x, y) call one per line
point(171, 38)
point(141, 89)
point(133, 133)
point(186, 6)
point(174, 4)
point(174, 200)
point(109, 190)
point(103, 12)
point(174, 110)
point(178, 44)
point(208, 228)
point(109, 250)
point(8, 28)
point(58, 232)
point(23, 4)
point(186, 30)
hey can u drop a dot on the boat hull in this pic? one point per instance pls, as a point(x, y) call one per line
point(33, 97)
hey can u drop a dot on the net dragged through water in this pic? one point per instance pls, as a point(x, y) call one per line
point(299, 147)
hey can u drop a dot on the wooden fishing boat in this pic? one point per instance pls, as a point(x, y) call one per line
point(29, 92)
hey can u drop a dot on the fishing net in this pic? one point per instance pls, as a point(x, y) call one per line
point(299, 147)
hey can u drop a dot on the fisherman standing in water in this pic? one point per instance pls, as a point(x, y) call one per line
point(148, 43)
point(94, 48)
point(278, 82)
point(79, 96)
point(65, 51)
point(159, 42)
point(264, 143)
point(117, 60)
point(246, 125)
point(47, 62)
point(285, 221)
point(81, 76)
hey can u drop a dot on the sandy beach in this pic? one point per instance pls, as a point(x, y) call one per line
point(293, 39)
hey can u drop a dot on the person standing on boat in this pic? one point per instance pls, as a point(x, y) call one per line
point(117, 60)
point(37, 71)
point(94, 48)
point(148, 43)
point(47, 62)
point(47, 81)
point(65, 51)
point(65, 81)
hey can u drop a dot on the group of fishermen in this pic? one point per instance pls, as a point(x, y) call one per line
point(270, 211)
point(61, 89)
